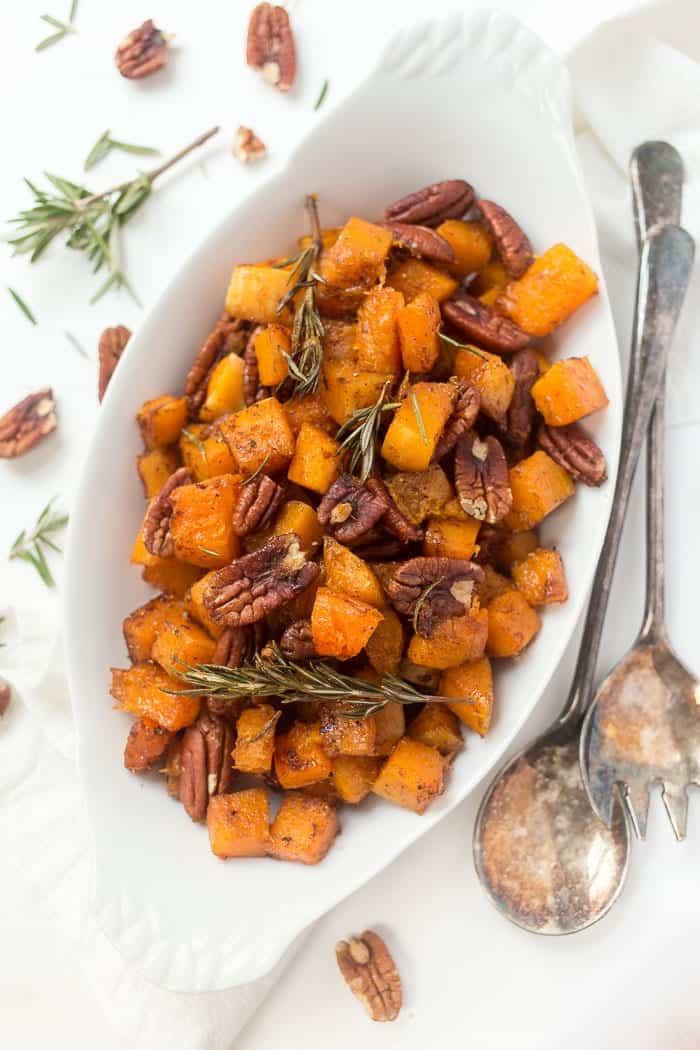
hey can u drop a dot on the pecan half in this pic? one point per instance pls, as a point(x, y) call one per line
point(297, 642)
point(228, 337)
point(252, 390)
point(395, 523)
point(481, 478)
point(421, 241)
point(256, 584)
point(512, 244)
point(109, 350)
point(142, 52)
point(5, 697)
point(248, 147)
point(270, 47)
point(349, 510)
point(483, 325)
point(575, 452)
point(156, 524)
point(234, 646)
point(462, 419)
point(25, 425)
point(371, 975)
point(520, 417)
point(432, 204)
point(437, 587)
point(206, 767)
point(257, 505)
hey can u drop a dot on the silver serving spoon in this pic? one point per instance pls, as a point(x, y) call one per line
point(546, 860)
point(644, 723)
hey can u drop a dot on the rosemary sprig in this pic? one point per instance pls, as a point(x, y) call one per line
point(422, 598)
point(33, 547)
point(322, 94)
point(22, 305)
point(270, 724)
point(277, 676)
point(358, 435)
point(210, 552)
point(462, 346)
point(419, 416)
point(195, 440)
point(257, 472)
point(306, 355)
point(76, 344)
point(105, 144)
point(62, 28)
point(91, 221)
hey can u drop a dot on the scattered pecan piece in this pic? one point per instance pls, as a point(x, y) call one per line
point(483, 325)
point(109, 350)
point(156, 524)
point(421, 241)
point(25, 425)
point(234, 647)
point(5, 697)
point(142, 52)
point(395, 523)
point(270, 47)
point(463, 418)
point(173, 766)
point(205, 760)
point(228, 337)
point(488, 545)
point(438, 587)
point(512, 244)
point(481, 478)
point(252, 390)
point(521, 411)
point(256, 584)
point(575, 452)
point(257, 505)
point(146, 743)
point(432, 204)
point(371, 975)
point(248, 147)
point(297, 642)
point(349, 510)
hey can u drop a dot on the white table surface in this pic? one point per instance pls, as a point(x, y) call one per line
point(467, 973)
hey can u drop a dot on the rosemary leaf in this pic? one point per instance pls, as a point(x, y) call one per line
point(98, 151)
point(129, 147)
point(358, 435)
point(304, 361)
point(419, 416)
point(195, 439)
point(270, 724)
point(22, 305)
point(421, 599)
point(322, 94)
point(32, 548)
point(463, 346)
point(211, 553)
point(49, 40)
point(76, 344)
point(73, 10)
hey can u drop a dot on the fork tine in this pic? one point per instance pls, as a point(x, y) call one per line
point(676, 803)
point(636, 799)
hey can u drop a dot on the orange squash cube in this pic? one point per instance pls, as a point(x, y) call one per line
point(357, 257)
point(413, 277)
point(155, 467)
point(412, 776)
point(349, 574)
point(568, 391)
point(169, 575)
point(315, 464)
point(202, 521)
point(255, 739)
point(194, 603)
point(161, 419)
point(540, 577)
point(493, 584)
point(271, 345)
point(260, 434)
point(408, 445)
point(471, 244)
point(491, 376)
point(512, 624)
point(539, 486)
point(377, 346)
point(492, 275)
point(340, 342)
point(304, 828)
point(345, 388)
point(438, 727)
point(224, 389)
point(299, 756)
point(254, 293)
point(384, 648)
point(178, 646)
point(346, 736)
point(451, 537)
point(418, 324)
point(550, 291)
point(301, 519)
point(471, 685)
point(512, 547)
point(329, 235)
point(354, 775)
point(207, 457)
point(142, 691)
point(308, 409)
point(146, 744)
point(239, 824)
point(141, 627)
point(341, 626)
point(420, 493)
point(453, 642)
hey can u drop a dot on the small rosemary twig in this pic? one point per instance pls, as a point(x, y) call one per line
point(62, 28)
point(422, 598)
point(322, 94)
point(22, 305)
point(195, 440)
point(358, 435)
point(304, 361)
point(105, 144)
point(32, 548)
point(462, 346)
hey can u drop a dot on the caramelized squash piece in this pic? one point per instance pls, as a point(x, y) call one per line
point(161, 419)
point(492, 276)
point(418, 494)
point(385, 646)
point(550, 291)
point(301, 519)
point(146, 744)
point(346, 736)
point(451, 537)
point(413, 277)
point(377, 346)
point(239, 824)
point(308, 409)
point(315, 464)
point(178, 646)
point(568, 391)
point(412, 776)
point(418, 324)
point(299, 756)
point(453, 641)
point(539, 486)
point(202, 522)
point(341, 626)
point(471, 685)
point(255, 739)
point(304, 828)
point(254, 293)
point(142, 626)
point(438, 727)
point(357, 257)
point(155, 467)
point(491, 376)
point(514, 546)
point(224, 389)
point(512, 624)
point(194, 603)
point(471, 244)
point(413, 433)
point(141, 690)
point(258, 435)
point(540, 577)
point(493, 584)
point(272, 348)
point(205, 452)
point(354, 775)
point(169, 575)
point(349, 574)
point(345, 388)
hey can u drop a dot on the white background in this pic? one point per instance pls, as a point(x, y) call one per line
point(467, 974)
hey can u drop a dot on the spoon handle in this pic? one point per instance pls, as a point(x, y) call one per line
point(664, 270)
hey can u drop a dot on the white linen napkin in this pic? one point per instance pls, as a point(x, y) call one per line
point(634, 79)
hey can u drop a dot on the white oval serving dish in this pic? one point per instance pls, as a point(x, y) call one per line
point(477, 97)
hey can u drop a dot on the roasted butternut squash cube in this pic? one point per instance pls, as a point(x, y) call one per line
point(453, 642)
point(202, 521)
point(384, 648)
point(255, 739)
point(299, 756)
point(254, 293)
point(377, 346)
point(412, 776)
point(491, 376)
point(345, 388)
point(206, 453)
point(354, 775)
point(169, 575)
point(260, 434)
point(357, 257)
point(493, 584)
point(437, 727)
point(340, 341)
point(341, 626)
point(492, 275)
point(346, 736)
point(512, 624)
point(349, 574)
point(451, 537)
point(420, 494)
point(413, 433)
point(161, 419)
point(273, 346)
point(418, 323)
point(155, 467)
point(142, 691)
point(304, 828)
point(491, 297)
point(239, 823)
point(471, 685)
point(568, 391)
point(146, 744)
point(540, 577)
point(391, 726)
point(512, 547)
point(224, 389)
point(309, 409)
point(178, 646)
point(141, 627)
point(550, 291)
point(471, 244)
point(194, 603)
point(539, 486)
point(301, 519)
point(315, 464)
point(413, 277)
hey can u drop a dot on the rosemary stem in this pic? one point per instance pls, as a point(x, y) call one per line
point(312, 211)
